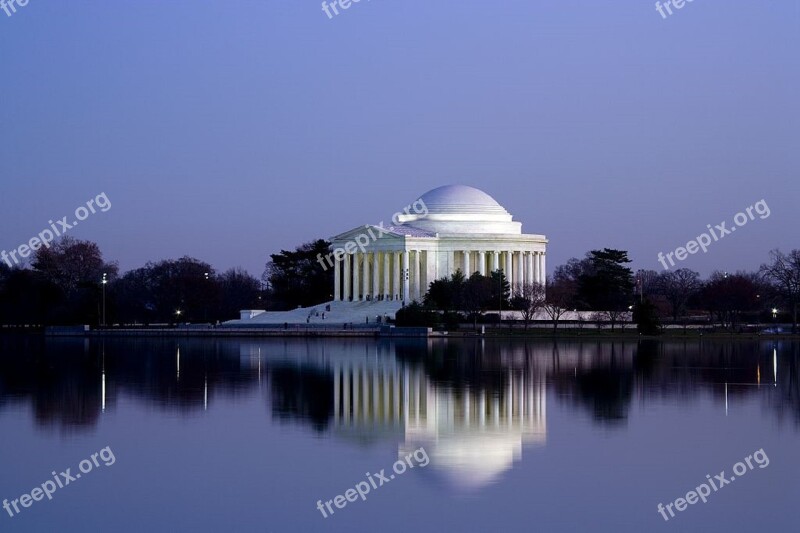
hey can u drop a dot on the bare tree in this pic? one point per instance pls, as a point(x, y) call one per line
point(528, 299)
point(784, 271)
point(560, 295)
point(677, 286)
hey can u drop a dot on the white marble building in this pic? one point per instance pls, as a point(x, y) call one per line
point(461, 227)
point(378, 268)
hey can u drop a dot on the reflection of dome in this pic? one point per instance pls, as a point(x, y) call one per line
point(461, 209)
point(471, 461)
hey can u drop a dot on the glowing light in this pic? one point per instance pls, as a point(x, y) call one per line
point(775, 366)
point(726, 399)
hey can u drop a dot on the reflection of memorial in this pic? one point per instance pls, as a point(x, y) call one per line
point(472, 433)
point(450, 395)
point(472, 436)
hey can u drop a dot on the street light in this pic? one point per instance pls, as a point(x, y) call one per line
point(205, 300)
point(774, 313)
point(105, 281)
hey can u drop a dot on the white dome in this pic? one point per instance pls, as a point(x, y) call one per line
point(461, 199)
point(460, 209)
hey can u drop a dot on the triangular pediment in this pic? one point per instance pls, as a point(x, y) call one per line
point(372, 233)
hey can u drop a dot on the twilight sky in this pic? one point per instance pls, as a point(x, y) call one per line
point(229, 130)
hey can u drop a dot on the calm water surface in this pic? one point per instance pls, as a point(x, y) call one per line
point(247, 435)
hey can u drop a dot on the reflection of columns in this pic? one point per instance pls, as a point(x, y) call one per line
point(337, 393)
point(482, 408)
point(405, 397)
point(482, 263)
point(346, 393)
point(347, 279)
point(337, 278)
point(375, 278)
point(356, 276)
point(385, 384)
point(376, 416)
point(495, 260)
point(365, 394)
point(467, 270)
point(406, 275)
point(386, 290)
point(396, 395)
point(396, 278)
point(356, 395)
point(417, 292)
point(509, 398)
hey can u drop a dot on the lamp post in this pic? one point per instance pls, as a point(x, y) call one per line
point(105, 281)
point(205, 299)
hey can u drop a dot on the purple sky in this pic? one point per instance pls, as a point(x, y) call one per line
point(230, 130)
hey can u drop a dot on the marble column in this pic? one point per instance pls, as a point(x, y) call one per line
point(365, 291)
point(482, 263)
point(337, 278)
point(467, 270)
point(529, 279)
point(406, 275)
point(495, 260)
point(387, 291)
point(375, 276)
point(544, 270)
point(347, 278)
point(416, 292)
point(396, 278)
point(356, 276)
point(509, 271)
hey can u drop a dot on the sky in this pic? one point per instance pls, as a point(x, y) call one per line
point(231, 130)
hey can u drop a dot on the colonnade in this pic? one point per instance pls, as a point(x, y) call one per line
point(403, 274)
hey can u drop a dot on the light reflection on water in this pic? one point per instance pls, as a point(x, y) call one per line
point(478, 407)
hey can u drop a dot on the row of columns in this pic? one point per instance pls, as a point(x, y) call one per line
point(520, 267)
point(397, 275)
point(379, 275)
point(394, 396)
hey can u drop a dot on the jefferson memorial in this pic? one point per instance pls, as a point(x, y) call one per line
point(379, 268)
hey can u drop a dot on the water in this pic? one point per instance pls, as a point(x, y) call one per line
point(248, 434)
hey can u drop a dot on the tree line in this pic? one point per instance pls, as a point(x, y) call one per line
point(70, 282)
